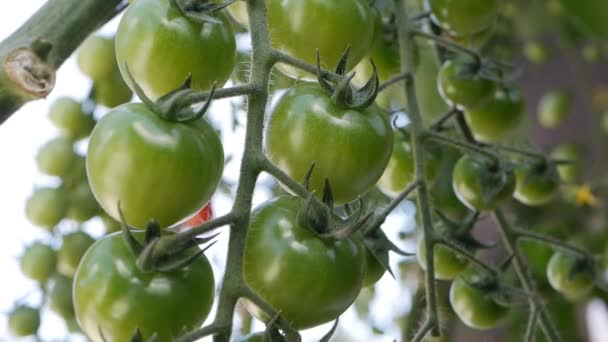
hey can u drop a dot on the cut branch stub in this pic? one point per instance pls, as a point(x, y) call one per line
point(31, 76)
point(201, 11)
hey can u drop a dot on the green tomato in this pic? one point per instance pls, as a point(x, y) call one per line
point(108, 283)
point(480, 186)
point(442, 193)
point(553, 108)
point(60, 296)
point(536, 52)
point(78, 173)
point(67, 115)
point(573, 286)
point(97, 58)
point(238, 11)
point(536, 185)
point(24, 321)
point(113, 91)
point(497, 116)
point(569, 152)
point(477, 40)
point(349, 147)
point(591, 15)
point(475, 306)
point(400, 170)
point(464, 17)
point(47, 207)
point(447, 263)
point(285, 263)
point(157, 169)
point(537, 255)
point(56, 157)
point(39, 262)
point(299, 28)
point(109, 223)
point(83, 205)
point(374, 270)
point(71, 251)
point(161, 47)
point(461, 86)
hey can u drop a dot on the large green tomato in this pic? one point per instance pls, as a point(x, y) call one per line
point(480, 186)
point(574, 287)
point(500, 114)
point(157, 169)
point(447, 263)
point(113, 297)
point(161, 47)
point(71, 251)
point(349, 147)
point(464, 17)
point(24, 321)
point(299, 28)
point(461, 86)
point(536, 186)
point(83, 205)
point(475, 307)
point(55, 158)
point(38, 262)
point(47, 207)
point(589, 14)
point(67, 115)
point(309, 280)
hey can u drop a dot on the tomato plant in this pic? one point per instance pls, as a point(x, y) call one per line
point(108, 278)
point(448, 264)
point(305, 122)
point(60, 296)
point(569, 276)
point(97, 57)
point(83, 205)
point(481, 185)
point(474, 305)
point(464, 17)
point(206, 51)
point(298, 256)
point(338, 25)
point(67, 115)
point(157, 169)
point(461, 85)
point(47, 206)
point(55, 158)
point(536, 184)
point(72, 248)
point(38, 262)
point(24, 321)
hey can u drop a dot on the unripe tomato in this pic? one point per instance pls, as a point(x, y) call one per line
point(568, 152)
point(157, 169)
point(464, 17)
point(71, 251)
point(299, 28)
point(480, 185)
point(83, 205)
point(497, 116)
point(535, 52)
point(24, 321)
point(536, 186)
point(238, 11)
point(56, 157)
point(161, 47)
point(573, 286)
point(442, 193)
point(47, 207)
point(113, 297)
point(113, 91)
point(475, 307)
point(349, 147)
point(374, 270)
point(109, 223)
point(553, 108)
point(447, 263)
point(460, 85)
point(60, 296)
point(285, 263)
point(67, 115)
point(97, 58)
point(38, 262)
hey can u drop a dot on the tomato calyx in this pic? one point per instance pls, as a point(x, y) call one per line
point(460, 233)
point(138, 337)
point(152, 256)
point(342, 93)
point(379, 245)
point(170, 106)
point(201, 11)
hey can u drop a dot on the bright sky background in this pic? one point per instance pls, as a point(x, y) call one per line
point(28, 129)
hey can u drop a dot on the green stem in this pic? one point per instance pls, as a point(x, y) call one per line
point(464, 128)
point(300, 64)
point(395, 79)
point(406, 44)
point(531, 327)
point(467, 254)
point(509, 237)
point(239, 90)
point(547, 240)
point(463, 145)
point(46, 39)
point(438, 124)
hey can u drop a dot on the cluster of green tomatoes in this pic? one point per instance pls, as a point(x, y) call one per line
point(157, 163)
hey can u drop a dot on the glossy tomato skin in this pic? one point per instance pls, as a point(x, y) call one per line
point(558, 273)
point(447, 263)
point(299, 28)
point(238, 11)
point(161, 47)
point(23, 321)
point(461, 86)
point(155, 168)
point(68, 116)
point(534, 188)
point(374, 270)
point(285, 263)
point(71, 251)
point(479, 187)
point(350, 148)
point(475, 307)
point(497, 116)
point(46, 207)
point(108, 282)
point(464, 17)
point(39, 262)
